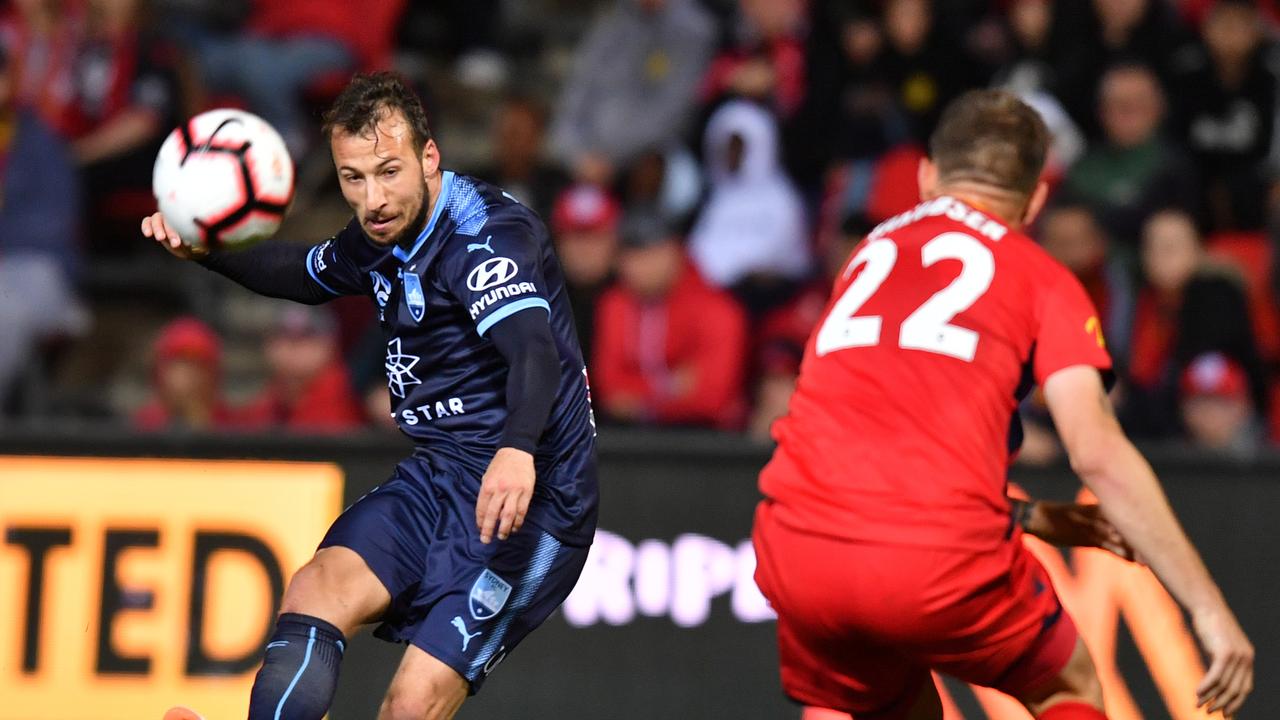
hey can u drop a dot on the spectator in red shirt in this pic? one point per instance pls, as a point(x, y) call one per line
point(186, 365)
point(309, 389)
point(670, 349)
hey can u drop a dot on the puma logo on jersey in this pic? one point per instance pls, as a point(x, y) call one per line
point(472, 247)
point(462, 630)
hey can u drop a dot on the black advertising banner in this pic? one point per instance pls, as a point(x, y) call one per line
point(666, 621)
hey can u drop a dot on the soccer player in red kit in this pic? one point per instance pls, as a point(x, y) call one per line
point(885, 542)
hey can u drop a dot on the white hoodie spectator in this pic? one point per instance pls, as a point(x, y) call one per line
point(753, 224)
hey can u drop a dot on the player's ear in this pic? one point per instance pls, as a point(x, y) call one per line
point(927, 178)
point(430, 158)
point(1036, 203)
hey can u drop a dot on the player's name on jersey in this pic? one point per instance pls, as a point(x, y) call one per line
point(953, 209)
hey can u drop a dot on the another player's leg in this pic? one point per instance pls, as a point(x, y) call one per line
point(423, 688)
point(328, 599)
point(1075, 694)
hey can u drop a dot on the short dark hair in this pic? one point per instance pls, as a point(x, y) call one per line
point(371, 97)
point(990, 137)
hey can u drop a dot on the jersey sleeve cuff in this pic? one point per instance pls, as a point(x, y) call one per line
point(507, 311)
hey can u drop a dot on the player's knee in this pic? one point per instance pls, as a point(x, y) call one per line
point(418, 706)
point(399, 705)
point(337, 586)
point(429, 696)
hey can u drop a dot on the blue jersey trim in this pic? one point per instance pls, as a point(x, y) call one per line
point(312, 272)
point(306, 660)
point(507, 311)
point(446, 189)
point(544, 555)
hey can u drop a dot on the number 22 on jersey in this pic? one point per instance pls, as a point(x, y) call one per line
point(927, 328)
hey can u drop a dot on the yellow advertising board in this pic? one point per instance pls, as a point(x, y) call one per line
point(128, 586)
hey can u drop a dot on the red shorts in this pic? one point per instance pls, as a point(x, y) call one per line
point(861, 625)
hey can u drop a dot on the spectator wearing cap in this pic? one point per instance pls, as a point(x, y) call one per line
point(186, 384)
point(585, 223)
point(670, 349)
point(309, 389)
point(1215, 406)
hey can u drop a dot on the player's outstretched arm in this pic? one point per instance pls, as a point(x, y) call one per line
point(272, 268)
point(1130, 496)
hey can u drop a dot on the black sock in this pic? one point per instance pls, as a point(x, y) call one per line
point(300, 671)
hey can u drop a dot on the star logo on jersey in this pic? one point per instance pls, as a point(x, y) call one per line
point(399, 366)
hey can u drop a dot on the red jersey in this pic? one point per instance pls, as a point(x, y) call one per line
point(899, 429)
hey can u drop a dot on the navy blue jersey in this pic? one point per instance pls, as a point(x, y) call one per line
point(482, 257)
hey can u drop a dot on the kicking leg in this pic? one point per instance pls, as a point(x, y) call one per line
point(328, 599)
point(1075, 694)
point(423, 689)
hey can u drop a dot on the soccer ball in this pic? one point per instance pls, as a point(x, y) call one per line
point(223, 179)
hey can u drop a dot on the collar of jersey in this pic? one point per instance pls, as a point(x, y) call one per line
point(446, 186)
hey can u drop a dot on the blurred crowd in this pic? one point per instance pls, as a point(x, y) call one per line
point(705, 167)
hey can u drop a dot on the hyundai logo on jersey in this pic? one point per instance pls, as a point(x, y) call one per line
point(488, 594)
point(491, 272)
point(413, 296)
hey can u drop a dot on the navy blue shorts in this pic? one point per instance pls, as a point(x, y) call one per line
point(463, 602)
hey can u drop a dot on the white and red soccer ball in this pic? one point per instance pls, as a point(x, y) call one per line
point(224, 178)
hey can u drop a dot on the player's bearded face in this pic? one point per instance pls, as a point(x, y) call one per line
point(382, 179)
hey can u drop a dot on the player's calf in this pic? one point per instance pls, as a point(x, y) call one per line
point(300, 670)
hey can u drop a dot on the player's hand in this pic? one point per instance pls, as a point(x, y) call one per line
point(154, 226)
point(505, 492)
point(1230, 677)
point(1075, 525)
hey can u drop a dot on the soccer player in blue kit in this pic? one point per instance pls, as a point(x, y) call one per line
point(482, 532)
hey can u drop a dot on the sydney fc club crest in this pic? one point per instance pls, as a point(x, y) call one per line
point(488, 594)
point(414, 297)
